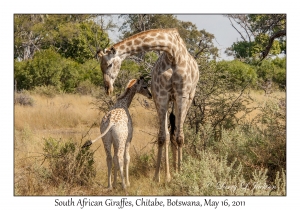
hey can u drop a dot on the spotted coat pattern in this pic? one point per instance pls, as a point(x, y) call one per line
point(116, 128)
point(173, 78)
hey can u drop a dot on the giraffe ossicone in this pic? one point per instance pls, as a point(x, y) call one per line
point(116, 129)
point(174, 77)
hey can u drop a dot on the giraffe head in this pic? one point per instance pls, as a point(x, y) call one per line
point(142, 88)
point(110, 66)
point(136, 86)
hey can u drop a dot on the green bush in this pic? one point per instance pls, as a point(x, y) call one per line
point(274, 70)
point(239, 73)
point(22, 76)
point(90, 70)
point(50, 69)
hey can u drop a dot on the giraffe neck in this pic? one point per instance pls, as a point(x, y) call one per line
point(126, 98)
point(167, 40)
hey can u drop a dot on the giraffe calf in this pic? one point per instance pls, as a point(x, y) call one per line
point(116, 129)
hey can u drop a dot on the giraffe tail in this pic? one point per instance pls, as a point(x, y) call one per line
point(90, 142)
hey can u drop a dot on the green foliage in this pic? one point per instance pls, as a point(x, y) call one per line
point(75, 40)
point(70, 75)
point(248, 51)
point(261, 41)
point(241, 49)
point(73, 36)
point(131, 66)
point(239, 73)
point(90, 70)
point(22, 75)
point(50, 69)
point(45, 68)
point(274, 70)
point(68, 163)
point(262, 35)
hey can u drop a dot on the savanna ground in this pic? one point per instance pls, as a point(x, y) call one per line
point(48, 160)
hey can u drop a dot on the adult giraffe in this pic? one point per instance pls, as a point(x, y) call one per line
point(173, 78)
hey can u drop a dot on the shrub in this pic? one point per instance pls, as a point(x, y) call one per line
point(274, 70)
point(23, 99)
point(253, 152)
point(239, 73)
point(68, 163)
point(87, 88)
point(142, 164)
point(213, 174)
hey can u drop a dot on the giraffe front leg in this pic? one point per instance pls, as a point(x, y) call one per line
point(168, 176)
point(159, 155)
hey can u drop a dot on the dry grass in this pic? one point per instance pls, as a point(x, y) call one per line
point(259, 100)
point(68, 117)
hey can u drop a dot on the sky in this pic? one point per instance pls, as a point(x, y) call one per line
point(215, 24)
point(218, 25)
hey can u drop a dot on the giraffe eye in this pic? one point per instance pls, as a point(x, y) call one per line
point(110, 65)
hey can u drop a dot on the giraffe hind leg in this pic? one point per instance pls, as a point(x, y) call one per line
point(162, 140)
point(107, 146)
point(127, 160)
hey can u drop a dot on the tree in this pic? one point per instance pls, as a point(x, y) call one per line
point(27, 36)
point(261, 35)
point(73, 36)
point(199, 42)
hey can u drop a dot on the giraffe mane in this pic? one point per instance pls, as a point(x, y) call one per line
point(143, 33)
